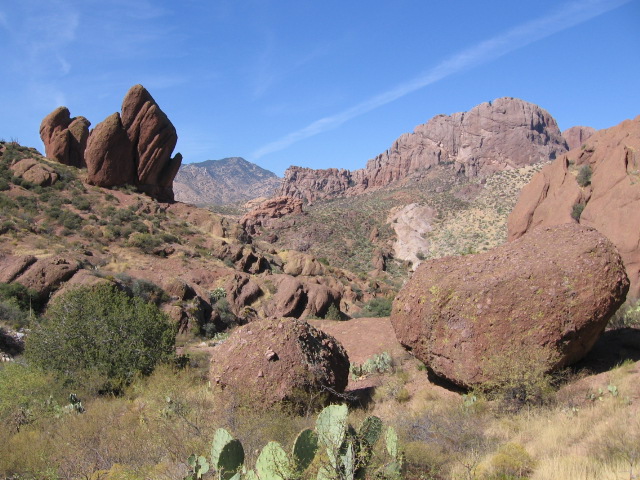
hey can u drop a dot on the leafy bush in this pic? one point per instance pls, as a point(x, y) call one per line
point(584, 176)
point(101, 331)
point(376, 307)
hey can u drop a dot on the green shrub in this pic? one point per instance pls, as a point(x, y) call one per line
point(627, 316)
point(101, 331)
point(25, 297)
point(376, 307)
point(81, 203)
point(144, 241)
point(584, 176)
point(333, 313)
point(576, 211)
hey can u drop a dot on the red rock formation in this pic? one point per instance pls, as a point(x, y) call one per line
point(611, 199)
point(135, 148)
point(272, 361)
point(272, 208)
point(577, 136)
point(65, 138)
point(35, 172)
point(109, 155)
point(548, 295)
point(490, 137)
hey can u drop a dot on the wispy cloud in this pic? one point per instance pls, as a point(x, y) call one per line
point(566, 16)
point(270, 69)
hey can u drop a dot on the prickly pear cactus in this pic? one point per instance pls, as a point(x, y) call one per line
point(331, 426)
point(273, 463)
point(220, 439)
point(370, 430)
point(230, 460)
point(391, 438)
point(304, 449)
point(199, 466)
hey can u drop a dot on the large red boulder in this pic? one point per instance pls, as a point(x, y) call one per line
point(548, 295)
point(65, 138)
point(135, 147)
point(109, 155)
point(273, 361)
point(603, 179)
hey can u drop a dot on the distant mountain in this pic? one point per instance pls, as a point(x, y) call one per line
point(221, 182)
point(507, 133)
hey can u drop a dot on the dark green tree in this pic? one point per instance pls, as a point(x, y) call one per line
point(102, 331)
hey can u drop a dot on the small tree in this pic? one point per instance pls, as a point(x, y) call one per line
point(102, 330)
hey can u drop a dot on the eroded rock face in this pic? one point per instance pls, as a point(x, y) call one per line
point(65, 138)
point(273, 208)
point(135, 147)
point(272, 361)
point(109, 155)
point(611, 199)
point(47, 274)
point(550, 294)
point(301, 297)
point(577, 136)
point(506, 133)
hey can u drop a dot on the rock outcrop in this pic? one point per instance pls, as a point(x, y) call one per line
point(548, 295)
point(273, 208)
point(65, 138)
point(135, 147)
point(47, 274)
point(607, 198)
point(35, 172)
point(273, 361)
point(301, 297)
point(506, 133)
point(577, 136)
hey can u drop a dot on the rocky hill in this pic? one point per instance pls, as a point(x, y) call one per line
point(596, 184)
point(220, 182)
point(504, 134)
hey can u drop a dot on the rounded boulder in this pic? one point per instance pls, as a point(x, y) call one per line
point(546, 296)
point(273, 361)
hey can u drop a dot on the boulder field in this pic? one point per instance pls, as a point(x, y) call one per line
point(548, 296)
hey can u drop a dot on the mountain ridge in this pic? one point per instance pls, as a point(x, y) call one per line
point(224, 181)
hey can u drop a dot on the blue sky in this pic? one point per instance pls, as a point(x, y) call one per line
point(314, 83)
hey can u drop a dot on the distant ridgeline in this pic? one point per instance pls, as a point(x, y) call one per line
point(225, 181)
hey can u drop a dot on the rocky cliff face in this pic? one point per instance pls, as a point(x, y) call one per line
point(597, 186)
point(220, 182)
point(576, 136)
point(494, 136)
